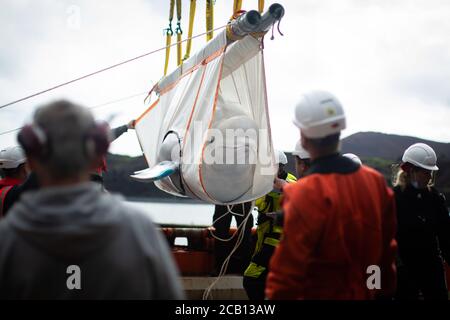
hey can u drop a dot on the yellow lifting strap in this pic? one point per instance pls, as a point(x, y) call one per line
point(168, 43)
point(169, 33)
point(172, 6)
point(237, 5)
point(179, 32)
point(179, 10)
point(209, 19)
point(260, 6)
point(191, 28)
point(179, 49)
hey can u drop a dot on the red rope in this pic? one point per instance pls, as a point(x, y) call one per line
point(99, 71)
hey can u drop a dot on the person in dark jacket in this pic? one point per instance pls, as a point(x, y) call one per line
point(70, 240)
point(423, 227)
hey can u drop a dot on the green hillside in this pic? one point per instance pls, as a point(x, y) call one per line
point(117, 178)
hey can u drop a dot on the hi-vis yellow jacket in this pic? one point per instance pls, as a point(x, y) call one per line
point(268, 234)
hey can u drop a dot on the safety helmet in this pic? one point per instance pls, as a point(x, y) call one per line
point(281, 157)
point(353, 157)
point(11, 157)
point(421, 155)
point(300, 152)
point(319, 114)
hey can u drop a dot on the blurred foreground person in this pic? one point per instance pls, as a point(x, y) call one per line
point(14, 171)
point(68, 240)
point(339, 220)
point(423, 227)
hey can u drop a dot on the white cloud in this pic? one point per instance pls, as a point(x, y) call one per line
point(387, 61)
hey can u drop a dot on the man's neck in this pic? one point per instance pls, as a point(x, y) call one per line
point(62, 182)
point(318, 155)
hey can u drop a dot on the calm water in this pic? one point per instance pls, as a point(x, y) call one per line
point(177, 213)
point(194, 214)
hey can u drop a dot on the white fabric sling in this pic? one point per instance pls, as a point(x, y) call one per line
point(220, 90)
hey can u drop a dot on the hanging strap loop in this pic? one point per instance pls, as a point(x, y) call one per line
point(169, 34)
point(260, 6)
point(191, 28)
point(237, 6)
point(179, 32)
point(209, 19)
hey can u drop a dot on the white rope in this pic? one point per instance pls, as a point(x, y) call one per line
point(229, 207)
point(229, 211)
point(92, 107)
point(224, 267)
point(104, 69)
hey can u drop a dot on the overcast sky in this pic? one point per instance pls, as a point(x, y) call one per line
point(387, 61)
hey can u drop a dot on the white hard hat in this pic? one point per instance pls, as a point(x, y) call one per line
point(319, 114)
point(421, 155)
point(353, 157)
point(281, 157)
point(300, 152)
point(11, 157)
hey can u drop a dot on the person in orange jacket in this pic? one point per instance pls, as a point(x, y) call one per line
point(339, 220)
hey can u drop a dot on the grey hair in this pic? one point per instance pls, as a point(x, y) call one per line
point(66, 125)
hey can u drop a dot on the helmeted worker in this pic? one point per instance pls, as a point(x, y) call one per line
point(268, 233)
point(339, 220)
point(14, 171)
point(353, 157)
point(423, 227)
point(302, 159)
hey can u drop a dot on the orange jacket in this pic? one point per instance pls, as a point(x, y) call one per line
point(339, 220)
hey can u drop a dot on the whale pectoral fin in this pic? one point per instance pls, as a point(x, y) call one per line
point(159, 171)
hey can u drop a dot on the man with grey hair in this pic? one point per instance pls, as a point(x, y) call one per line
point(69, 240)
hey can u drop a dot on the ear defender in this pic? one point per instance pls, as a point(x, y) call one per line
point(98, 140)
point(33, 140)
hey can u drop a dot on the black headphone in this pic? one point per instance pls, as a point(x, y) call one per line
point(35, 141)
